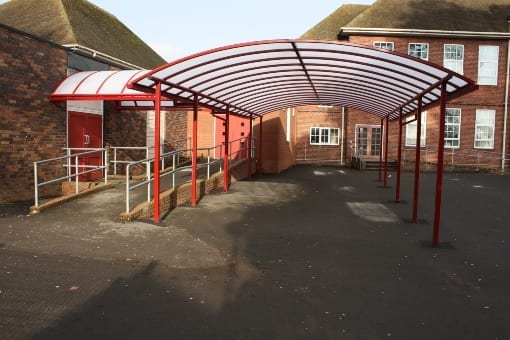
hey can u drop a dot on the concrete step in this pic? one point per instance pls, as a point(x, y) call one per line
point(371, 164)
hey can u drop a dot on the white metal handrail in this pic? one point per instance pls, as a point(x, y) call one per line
point(67, 164)
point(480, 157)
point(175, 155)
point(115, 160)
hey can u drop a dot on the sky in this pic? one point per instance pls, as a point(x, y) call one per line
point(177, 28)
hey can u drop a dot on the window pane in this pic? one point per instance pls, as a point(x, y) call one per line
point(452, 128)
point(411, 131)
point(419, 50)
point(488, 65)
point(314, 136)
point(325, 136)
point(334, 136)
point(484, 129)
point(454, 57)
point(384, 45)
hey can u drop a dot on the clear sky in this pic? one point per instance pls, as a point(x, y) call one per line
point(176, 28)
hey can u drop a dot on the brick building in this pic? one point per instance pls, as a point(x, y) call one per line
point(470, 37)
point(41, 42)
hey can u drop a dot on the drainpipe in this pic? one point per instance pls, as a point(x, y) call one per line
point(505, 119)
point(342, 138)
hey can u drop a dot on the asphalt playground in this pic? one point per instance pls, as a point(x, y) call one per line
point(316, 252)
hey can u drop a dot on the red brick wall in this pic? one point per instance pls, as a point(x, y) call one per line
point(176, 129)
point(313, 116)
point(31, 128)
point(487, 97)
point(129, 128)
point(278, 154)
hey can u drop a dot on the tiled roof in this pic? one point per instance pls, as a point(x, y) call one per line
point(329, 27)
point(447, 15)
point(79, 22)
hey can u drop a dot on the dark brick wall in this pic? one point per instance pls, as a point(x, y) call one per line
point(31, 127)
point(129, 128)
point(176, 129)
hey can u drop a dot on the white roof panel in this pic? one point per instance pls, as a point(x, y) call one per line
point(254, 77)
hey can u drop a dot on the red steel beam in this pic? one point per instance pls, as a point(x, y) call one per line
point(439, 171)
point(259, 164)
point(386, 133)
point(399, 157)
point(417, 162)
point(249, 149)
point(226, 170)
point(194, 154)
point(157, 143)
point(380, 150)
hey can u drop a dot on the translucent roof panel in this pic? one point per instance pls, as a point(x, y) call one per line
point(101, 85)
point(259, 77)
point(256, 78)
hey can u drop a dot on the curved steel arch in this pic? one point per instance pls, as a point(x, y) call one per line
point(224, 76)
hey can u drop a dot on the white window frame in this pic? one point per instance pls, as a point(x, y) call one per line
point(454, 59)
point(420, 53)
point(488, 65)
point(324, 135)
point(385, 45)
point(452, 142)
point(480, 125)
point(411, 131)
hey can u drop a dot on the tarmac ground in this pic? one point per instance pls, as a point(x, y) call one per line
point(316, 252)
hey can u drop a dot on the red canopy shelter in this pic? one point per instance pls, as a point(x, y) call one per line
point(256, 78)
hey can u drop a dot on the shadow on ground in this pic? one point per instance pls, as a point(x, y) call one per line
point(314, 253)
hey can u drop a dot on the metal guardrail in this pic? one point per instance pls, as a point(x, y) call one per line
point(68, 164)
point(75, 169)
point(175, 159)
point(453, 157)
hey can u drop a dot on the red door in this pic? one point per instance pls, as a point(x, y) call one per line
point(85, 131)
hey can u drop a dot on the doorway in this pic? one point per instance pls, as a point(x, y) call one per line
point(368, 140)
point(85, 131)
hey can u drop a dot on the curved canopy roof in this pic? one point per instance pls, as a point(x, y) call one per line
point(105, 85)
point(257, 78)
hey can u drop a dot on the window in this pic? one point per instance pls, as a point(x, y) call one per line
point(387, 45)
point(324, 136)
point(488, 65)
point(419, 50)
point(484, 129)
point(454, 58)
point(411, 130)
point(452, 128)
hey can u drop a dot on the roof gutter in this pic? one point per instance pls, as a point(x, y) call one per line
point(102, 56)
point(346, 31)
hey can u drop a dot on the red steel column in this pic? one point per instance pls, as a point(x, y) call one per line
point(157, 142)
point(259, 165)
point(194, 154)
point(380, 150)
point(439, 171)
point(226, 170)
point(417, 162)
point(399, 157)
point(249, 149)
point(386, 133)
